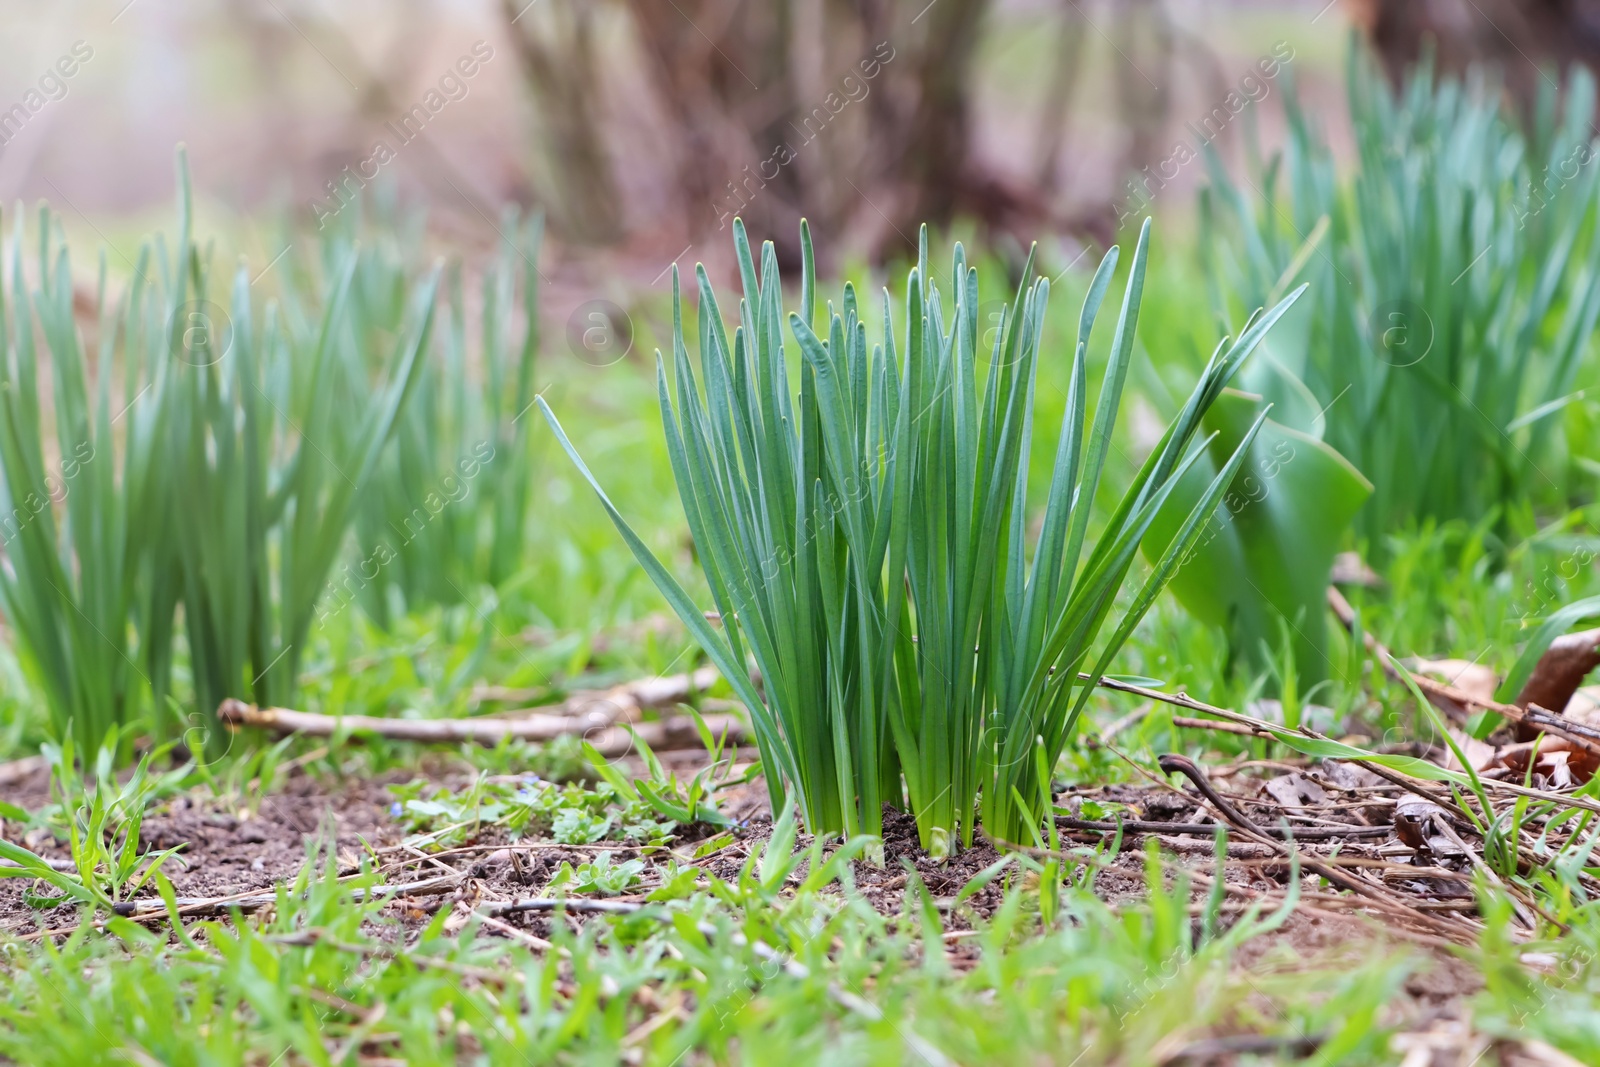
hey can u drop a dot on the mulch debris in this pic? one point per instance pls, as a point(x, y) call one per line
point(1413, 858)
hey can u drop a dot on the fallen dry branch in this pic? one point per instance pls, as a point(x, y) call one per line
point(1450, 699)
point(1312, 901)
point(1141, 826)
point(18, 771)
point(1270, 731)
point(1567, 746)
point(1398, 907)
point(1400, 914)
point(1377, 896)
point(153, 909)
point(198, 906)
point(619, 703)
point(1210, 724)
point(577, 906)
point(53, 864)
point(679, 731)
point(1172, 763)
point(1430, 791)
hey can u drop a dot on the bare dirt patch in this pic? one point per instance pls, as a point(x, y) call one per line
point(227, 853)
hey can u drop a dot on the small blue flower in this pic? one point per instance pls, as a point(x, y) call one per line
point(395, 810)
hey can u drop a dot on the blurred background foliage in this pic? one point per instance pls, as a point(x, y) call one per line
point(623, 119)
point(639, 128)
point(560, 156)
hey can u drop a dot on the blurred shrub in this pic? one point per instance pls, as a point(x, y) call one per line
point(446, 511)
point(1455, 287)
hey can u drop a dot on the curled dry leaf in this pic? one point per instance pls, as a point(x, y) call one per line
point(1295, 791)
point(1474, 679)
point(1560, 671)
point(1480, 754)
point(1416, 823)
point(1336, 774)
point(1557, 762)
point(1584, 706)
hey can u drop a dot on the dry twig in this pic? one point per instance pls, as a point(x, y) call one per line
point(678, 731)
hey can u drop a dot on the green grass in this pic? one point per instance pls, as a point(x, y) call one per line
point(783, 952)
point(76, 527)
point(1112, 982)
point(182, 469)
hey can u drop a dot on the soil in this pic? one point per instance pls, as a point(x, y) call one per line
point(223, 852)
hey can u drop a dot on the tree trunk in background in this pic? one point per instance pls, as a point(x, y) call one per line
point(770, 112)
point(1058, 97)
point(856, 114)
point(935, 157)
point(554, 46)
point(773, 114)
point(703, 58)
point(1519, 36)
point(1145, 43)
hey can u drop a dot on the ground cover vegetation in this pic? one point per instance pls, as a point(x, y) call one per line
point(900, 811)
